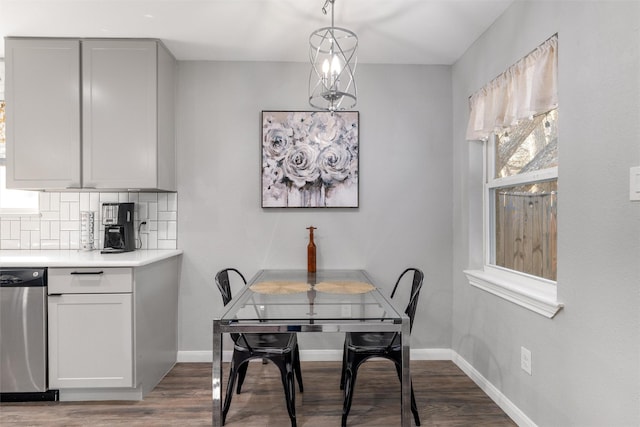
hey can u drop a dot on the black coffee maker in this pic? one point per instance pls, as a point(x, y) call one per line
point(118, 227)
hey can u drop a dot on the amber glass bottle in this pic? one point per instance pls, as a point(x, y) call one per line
point(311, 252)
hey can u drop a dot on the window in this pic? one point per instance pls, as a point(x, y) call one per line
point(15, 202)
point(522, 197)
point(516, 115)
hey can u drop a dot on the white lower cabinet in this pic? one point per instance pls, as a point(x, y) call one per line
point(90, 341)
point(113, 330)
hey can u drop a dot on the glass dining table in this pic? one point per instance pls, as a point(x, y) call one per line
point(298, 301)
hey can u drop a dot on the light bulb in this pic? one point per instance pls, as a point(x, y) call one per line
point(335, 65)
point(325, 67)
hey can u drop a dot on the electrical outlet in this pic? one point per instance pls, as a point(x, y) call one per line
point(525, 360)
point(634, 184)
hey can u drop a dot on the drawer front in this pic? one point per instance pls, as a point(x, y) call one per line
point(94, 280)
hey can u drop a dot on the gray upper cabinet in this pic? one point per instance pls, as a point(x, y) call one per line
point(124, 95)
point(43, 113)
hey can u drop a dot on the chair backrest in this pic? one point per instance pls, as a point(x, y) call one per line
point(224, 285)
point(416, 285)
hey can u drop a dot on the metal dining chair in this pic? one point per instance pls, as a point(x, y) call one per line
point(361, 346)
point(279, 348)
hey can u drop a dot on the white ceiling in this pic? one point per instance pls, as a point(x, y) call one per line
point(389, 31)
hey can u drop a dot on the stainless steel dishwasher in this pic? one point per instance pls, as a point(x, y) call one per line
point(23, 335)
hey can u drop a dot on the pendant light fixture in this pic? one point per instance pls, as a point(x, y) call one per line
point(333, 55)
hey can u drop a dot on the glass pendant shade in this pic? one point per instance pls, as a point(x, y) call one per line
point(333, 56)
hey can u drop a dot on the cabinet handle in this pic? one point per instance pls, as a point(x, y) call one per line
point(87, 272)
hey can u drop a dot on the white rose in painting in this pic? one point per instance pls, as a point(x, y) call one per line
point(277, 141)
point(300, 165)
point(325, 129)
point(299, 124)
point(335, 163)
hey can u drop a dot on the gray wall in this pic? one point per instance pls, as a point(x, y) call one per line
point(405, 213)
point(586, 361)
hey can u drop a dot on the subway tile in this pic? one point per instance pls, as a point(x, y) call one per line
point(94, 202)
point(45, 230)
point(172, 202)
point(29, 224)
point(108, 197)
point(49, 244)
point(148, 197)
point(10, 244)
point(69, 197)
point(58, 226)
point(25, 239)
point(74, 240)
point(64, 240)
point(64, 211)
point(172, 230)
point(143, 211)
point(5, 228)
point(74, 211)
point(15, 230)
point(162, 230)
point(69, 225)
point(35, 240)
point(167, 216)
point(152, 240)
point(54, 201)
point(50, 216)
point(162, 202)
point(85, 203)
point(54, 230)
point(44, 200)
point(153, 211)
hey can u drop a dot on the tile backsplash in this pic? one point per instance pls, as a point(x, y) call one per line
point(58, 225)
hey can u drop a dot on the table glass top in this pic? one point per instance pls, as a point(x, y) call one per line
point(296, 296)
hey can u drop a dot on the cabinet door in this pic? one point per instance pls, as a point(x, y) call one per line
point(90, 341)
point(43, 113)
point(119, 114)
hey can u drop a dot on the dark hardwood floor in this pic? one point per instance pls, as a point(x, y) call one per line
point(445, 397)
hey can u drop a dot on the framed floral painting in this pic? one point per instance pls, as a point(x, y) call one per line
point(310, 159)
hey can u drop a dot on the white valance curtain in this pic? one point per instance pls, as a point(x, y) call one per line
point(527, 88)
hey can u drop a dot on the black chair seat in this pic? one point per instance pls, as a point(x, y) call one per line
point(266, 343)
point(372, 342)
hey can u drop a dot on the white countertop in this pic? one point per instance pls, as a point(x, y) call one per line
point(75, 258)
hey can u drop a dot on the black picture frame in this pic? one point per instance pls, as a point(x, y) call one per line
point(310, 159)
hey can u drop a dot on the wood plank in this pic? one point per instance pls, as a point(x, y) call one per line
point(445, 397)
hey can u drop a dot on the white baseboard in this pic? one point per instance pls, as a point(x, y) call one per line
point(317, 355)
point(492, 391)
point(496, 395)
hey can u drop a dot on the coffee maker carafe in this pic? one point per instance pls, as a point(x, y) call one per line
point(118, 227)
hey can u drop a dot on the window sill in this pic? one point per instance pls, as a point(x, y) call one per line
point(539, 296)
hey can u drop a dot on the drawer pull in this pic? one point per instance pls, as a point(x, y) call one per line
point(87, 272)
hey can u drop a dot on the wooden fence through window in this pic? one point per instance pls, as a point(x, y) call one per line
point(527, 233)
